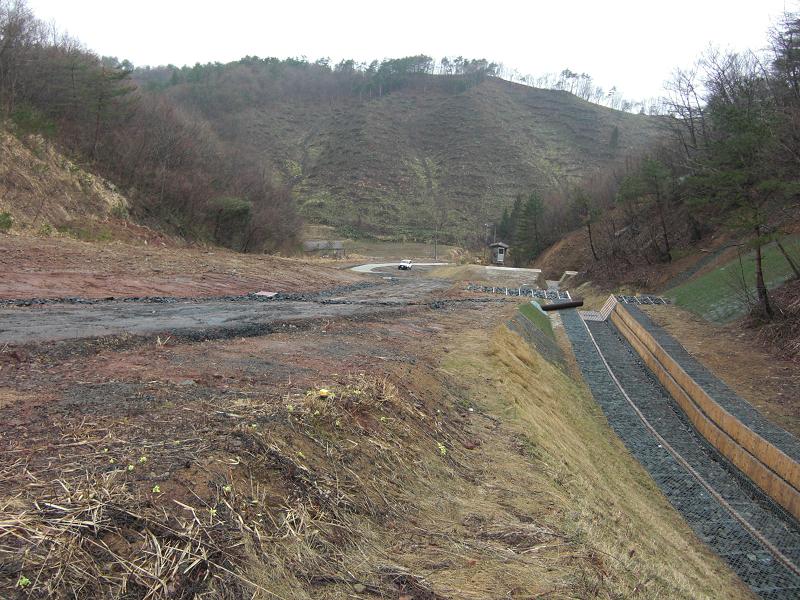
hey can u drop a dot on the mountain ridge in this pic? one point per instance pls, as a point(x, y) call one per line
point(425, 158)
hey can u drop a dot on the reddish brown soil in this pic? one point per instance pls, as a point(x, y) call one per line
point(182, 421)
point(34, 267)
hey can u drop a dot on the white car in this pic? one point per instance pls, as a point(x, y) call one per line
point(405, 265)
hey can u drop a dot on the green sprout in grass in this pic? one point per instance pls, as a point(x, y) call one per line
point(227, 489)
point(156, 489)
point(23, 581)
point(442, 448)
point(142, 460)
point(131, 467)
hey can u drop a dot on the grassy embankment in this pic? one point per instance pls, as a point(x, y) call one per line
point(584, 483)
point(718, 295)
point(537, 317)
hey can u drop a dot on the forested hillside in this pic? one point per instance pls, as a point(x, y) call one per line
point(238, 154)
point(175, 171)
point(727, 170)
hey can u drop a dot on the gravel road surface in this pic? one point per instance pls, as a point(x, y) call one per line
point(55, 322)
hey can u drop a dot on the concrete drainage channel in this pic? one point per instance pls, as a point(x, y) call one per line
point(756, 536)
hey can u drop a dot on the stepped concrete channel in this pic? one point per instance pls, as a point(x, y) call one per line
point(767, 575)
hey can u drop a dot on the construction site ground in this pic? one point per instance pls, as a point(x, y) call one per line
point(58, 267)
point(391, 438)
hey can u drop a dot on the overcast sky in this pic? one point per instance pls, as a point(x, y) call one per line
point(634, 45)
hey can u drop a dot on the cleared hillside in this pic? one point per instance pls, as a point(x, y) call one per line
point(42, 189)
point(423, 157)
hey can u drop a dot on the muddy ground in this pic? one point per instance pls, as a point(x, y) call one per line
point(39, 320)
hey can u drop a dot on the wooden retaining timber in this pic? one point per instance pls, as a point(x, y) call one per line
point(777, 474)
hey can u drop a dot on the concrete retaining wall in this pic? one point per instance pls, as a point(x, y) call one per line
point(777, 474)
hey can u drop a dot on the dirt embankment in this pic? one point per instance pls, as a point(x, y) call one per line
point(635, 257)
point(570, 253)
point(42, 188)
point(429, 454)
point(41, 267)
point(782, 336)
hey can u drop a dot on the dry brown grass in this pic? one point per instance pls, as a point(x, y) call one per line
point(278, 518)
point(593, 491)
point(387, 486)
point(460, 273)
point(38, 186)
point(479, 274)
point(92, 536)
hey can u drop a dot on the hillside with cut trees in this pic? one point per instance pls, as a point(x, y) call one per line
point(240, 154)
point(60, 99)
point(400, 152)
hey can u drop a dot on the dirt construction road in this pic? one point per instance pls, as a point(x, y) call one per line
point(195, 318)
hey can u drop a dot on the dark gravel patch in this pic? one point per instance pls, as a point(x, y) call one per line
point(300, 297)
